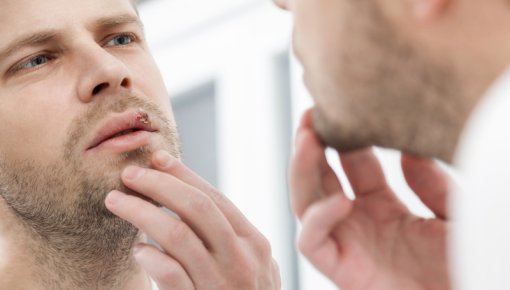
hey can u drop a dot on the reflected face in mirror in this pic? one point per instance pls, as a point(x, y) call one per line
point(374, 82)
point(74, 80)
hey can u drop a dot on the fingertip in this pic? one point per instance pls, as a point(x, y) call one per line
point(139, 253)
point(114, 198)
point(137, 250)
point(145, 255)
point(306, 119)
point(162, 159)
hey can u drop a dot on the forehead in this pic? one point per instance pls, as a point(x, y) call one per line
point(18, 16)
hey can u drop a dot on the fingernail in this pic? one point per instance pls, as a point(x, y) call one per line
point(133, 172)
point(114, 197)
point(163, 158)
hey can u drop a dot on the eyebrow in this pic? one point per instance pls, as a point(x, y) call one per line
point(43, 37)
point(118, 20)
point(33, 39)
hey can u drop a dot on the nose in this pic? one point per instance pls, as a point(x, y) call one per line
point(283, 4)
point(101, 73)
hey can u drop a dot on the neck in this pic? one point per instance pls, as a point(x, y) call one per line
point(31, 261)
point(486, 53)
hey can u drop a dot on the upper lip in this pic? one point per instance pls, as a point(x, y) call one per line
point(128, 120)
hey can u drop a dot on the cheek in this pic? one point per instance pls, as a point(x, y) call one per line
point(30, 129)
point(28, 138)
point(320, 33)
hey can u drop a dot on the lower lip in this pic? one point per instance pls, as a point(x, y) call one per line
point(124, 143)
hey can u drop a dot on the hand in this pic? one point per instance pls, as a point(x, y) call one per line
point(372, 242)
point(212, 246)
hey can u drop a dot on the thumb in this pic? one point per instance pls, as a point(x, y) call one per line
point(316, 241)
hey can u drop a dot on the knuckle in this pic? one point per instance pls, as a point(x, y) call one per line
point(179, 233)
point(246, 264)
point(251, 269)
point(201, 203)
point(217, 196)
point(170, 275)
point(244, 276)
point(263, 247)
point(240, 255)
point(260, 244)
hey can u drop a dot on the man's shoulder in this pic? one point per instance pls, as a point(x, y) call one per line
point(480, 208)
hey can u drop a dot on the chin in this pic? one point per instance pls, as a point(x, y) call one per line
point(140, 155)
point(335, 135)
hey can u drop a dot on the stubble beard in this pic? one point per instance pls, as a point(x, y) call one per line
point(77, 242)
point(385, 92)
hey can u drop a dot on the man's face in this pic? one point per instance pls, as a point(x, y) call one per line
point(72, 74)
point(373, 83)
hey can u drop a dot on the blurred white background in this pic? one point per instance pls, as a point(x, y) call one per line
point(237, 95)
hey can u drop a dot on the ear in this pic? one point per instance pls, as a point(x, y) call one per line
point(428, 9)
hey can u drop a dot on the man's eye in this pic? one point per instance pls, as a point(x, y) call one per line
point(121, 40)
point(32, 63)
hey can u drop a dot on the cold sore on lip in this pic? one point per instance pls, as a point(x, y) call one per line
point(143, 117)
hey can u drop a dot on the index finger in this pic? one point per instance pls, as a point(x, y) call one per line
point(165, 162)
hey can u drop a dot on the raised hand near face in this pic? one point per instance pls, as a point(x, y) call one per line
point(211, 246)
point(372, 242)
